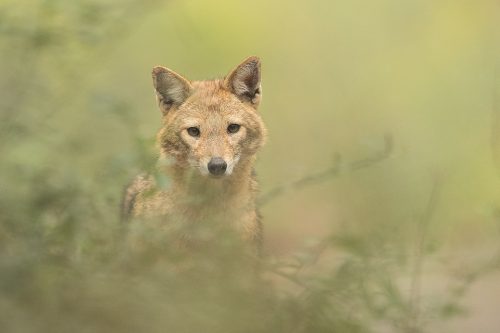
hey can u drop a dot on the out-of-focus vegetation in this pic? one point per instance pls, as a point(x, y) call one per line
point(391, 246)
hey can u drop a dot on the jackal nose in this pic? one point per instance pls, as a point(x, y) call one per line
point(217, 166)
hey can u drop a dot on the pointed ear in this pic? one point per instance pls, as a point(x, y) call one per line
point(171, 88)
point(244, 81)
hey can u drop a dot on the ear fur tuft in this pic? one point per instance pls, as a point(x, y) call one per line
point(171, 88)
point(244, 80)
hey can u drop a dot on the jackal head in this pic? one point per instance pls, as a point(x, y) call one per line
point(213, 125)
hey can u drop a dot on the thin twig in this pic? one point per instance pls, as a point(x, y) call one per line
point(331, 172)
point(416, 280)
point(495, 129)
point(289, 277)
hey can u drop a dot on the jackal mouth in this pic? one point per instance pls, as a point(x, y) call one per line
point(217, 176)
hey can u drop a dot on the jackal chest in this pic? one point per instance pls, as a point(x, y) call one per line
point(238, 212)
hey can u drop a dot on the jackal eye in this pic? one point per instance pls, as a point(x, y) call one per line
point(233, 128)
point(193, 131)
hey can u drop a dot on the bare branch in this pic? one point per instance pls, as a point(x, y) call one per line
point(495, 130)
point(414, 316)
point(331, 172)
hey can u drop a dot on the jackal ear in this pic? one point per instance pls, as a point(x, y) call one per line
point(171, 88)
point(244, 81)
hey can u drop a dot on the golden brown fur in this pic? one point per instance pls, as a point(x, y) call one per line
point(193, 194)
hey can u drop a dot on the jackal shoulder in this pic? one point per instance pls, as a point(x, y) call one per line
point(140, 184)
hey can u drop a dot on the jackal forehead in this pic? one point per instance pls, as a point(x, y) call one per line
point(208, 86)
point(210, 117)
point(210, 96)
point(204, 105)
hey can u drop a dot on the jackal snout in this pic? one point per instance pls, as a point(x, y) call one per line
point(218, 155)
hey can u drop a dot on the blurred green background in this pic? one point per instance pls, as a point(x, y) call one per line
point(410, 240)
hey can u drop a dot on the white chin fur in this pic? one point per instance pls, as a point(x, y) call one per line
point(204, 170)
point(231, 165)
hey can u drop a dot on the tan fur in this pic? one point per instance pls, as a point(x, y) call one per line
point(193, 195)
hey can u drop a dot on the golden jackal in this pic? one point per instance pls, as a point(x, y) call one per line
point(210, 135)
